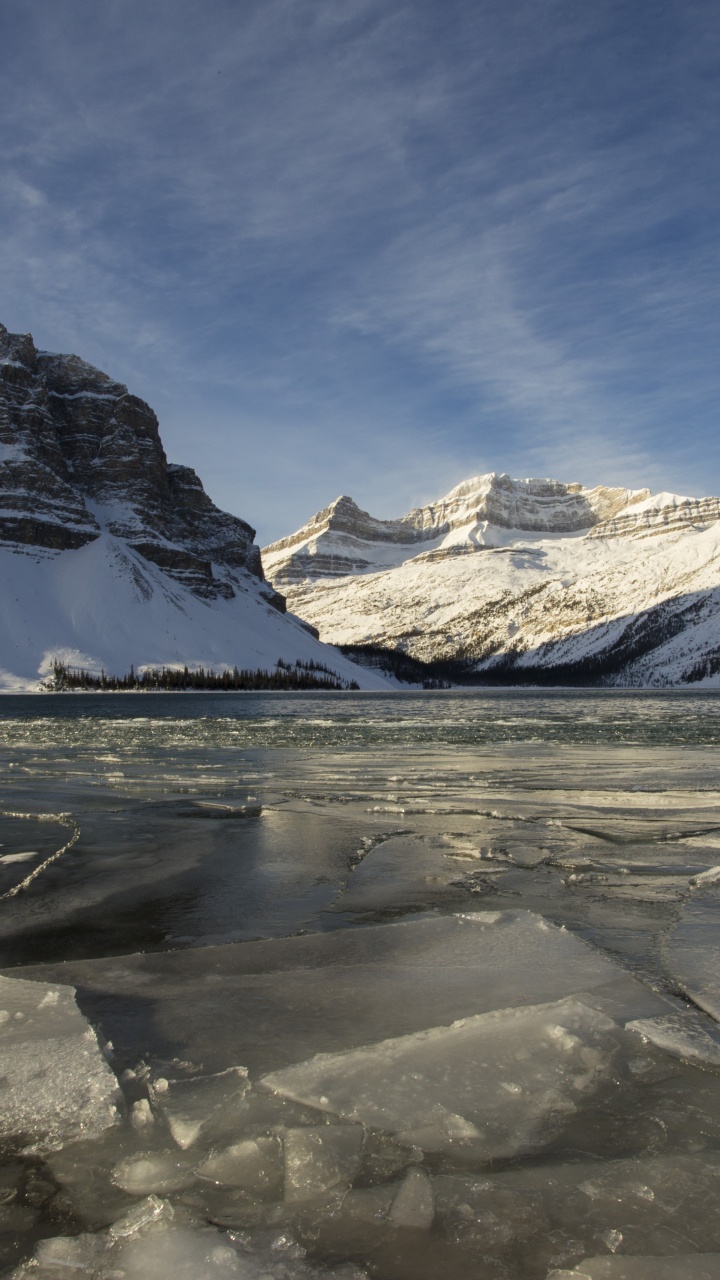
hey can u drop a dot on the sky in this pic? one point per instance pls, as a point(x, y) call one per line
point(376, 248)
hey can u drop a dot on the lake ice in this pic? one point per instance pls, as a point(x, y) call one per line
point(414, 987)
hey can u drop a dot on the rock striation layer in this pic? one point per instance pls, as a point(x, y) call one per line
point(344, 539)
point(80, 454)
point(519, 581)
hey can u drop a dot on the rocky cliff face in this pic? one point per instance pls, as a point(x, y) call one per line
point(80, 455)
point(520, 581)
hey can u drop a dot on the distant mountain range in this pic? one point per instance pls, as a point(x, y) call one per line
point(517, 582)
point(112, 557)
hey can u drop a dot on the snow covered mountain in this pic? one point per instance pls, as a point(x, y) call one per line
point(109, 556)
point(519, 581)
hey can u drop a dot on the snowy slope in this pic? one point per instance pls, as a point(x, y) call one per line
point(102, 606)
point(521, 581)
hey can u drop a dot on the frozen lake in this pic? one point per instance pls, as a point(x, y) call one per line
point(464, 947)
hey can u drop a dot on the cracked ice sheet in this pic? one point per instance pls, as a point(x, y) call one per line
point(538, 1066)
point(691, 951)
point(403, 872)
point(408, 872)
point(275, 1002)
point(55, 1085)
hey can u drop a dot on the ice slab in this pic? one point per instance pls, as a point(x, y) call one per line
point(414, 1204)
point(271, 1003)
point(694, 1266)
point(496, 1085)
point(55, 1084)
point(253, 1164)
point(200, 1105)
point(402, 873)
point(683, 1034)
point(692, 949)
point(320, 1159)
point(152, 1173)
point(525, 843)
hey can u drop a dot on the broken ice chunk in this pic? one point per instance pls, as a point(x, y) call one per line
point(382, 1158)
point(498, 1084)
point(201, 1104)
point(691, 1266)
point(711, 876)
point(414, 1204)
point(55, 1085)
point(692, 950)
point(683, 1034)
point(180, 1253)
point(71, 1254)
point(320, 1159)
point(154, 1242)
point(141, 1117)
point(254, 1165)
point(356, 1223)
point(142, 1215)
point(476, 1213)
point(152, 1172)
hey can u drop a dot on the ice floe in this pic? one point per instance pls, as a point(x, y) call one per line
point(55, 1084)
point(497, 1085)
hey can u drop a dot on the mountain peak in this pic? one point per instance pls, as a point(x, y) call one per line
point(81, 454)
point(343, 539)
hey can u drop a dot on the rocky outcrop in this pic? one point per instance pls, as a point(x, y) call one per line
point(662, 513)
point(79, 455)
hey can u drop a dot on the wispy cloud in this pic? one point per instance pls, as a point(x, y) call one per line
point(403, 243)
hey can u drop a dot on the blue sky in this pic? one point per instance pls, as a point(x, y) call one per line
point(365, 247)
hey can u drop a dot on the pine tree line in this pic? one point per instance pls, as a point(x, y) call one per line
point(285, 677)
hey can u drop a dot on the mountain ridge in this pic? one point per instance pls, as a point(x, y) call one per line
point(519, 579)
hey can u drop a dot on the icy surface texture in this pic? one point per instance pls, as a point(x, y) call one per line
point(325, 993)
point(152, 1173)
point(156, 1242)
point(254, 1164)
point(523, 1222)
point(610, 841)
point(201, 1105)
point(668, 1203)
point(414, 1204)
point(685, 1034)
point(691, 1267)
point(55, 1084)
point(500, 1084)
point(692, 950)
point(320, 1159)
point(401, 872)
